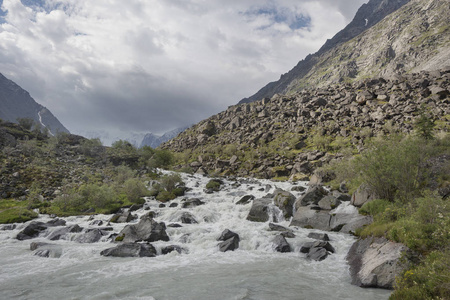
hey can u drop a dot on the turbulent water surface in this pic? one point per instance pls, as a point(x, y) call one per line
point(254, 271)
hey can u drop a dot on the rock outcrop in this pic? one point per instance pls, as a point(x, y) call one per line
point(374, 262)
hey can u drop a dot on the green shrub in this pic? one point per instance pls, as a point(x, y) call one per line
point(26, 123)
point(392, 167)
point(428, 280)
point(374, 207)
point(98, 196)
point(135, 189)
point(214, 184)
point(160, 159)
point(123, 173)
point(165, 196)
point(169, 182)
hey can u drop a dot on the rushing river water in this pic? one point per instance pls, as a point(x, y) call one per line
point(254, 271)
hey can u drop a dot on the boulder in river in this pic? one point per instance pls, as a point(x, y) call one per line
point(230, 241)
point(307, 217)
point(313, 195)
point(61, 232)
point(90, 236)
point(35, 228)
point(280, 244)
point(146, 230)
point(318, 250)
point(46, 249)
point(259, 212)
point(285, 201)
point(190, 203)
point(130, 250)
point(245, 200)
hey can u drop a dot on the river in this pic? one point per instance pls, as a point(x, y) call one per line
point(201, 271)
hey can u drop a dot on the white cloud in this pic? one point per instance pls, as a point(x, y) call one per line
point(159, 64)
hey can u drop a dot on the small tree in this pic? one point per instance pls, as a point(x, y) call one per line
point(26, 123)
point(425, 126)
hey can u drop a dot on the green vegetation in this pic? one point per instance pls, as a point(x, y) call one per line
point(12, 211)
point(399, 170)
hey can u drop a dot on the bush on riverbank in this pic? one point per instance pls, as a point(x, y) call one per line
point(406, 173)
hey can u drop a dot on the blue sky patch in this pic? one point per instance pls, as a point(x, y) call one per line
point(281, 15)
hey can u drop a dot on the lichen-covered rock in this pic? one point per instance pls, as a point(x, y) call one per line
point(375, 262)
point(362, 195)
point(285, 201)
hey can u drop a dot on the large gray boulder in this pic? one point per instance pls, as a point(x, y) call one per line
point(362, 195)
point(259, 212)
point(313, 195)
point(375, 262)
point(130, 250)
point(285, 201)
point(34, 229)
point(147, 230)
point(309, 218)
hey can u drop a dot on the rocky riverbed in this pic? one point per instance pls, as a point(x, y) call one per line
point(200, 246)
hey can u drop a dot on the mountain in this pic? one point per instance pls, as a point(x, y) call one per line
point(386, 38)
point(154, 141)
point(16, 103)
point(371, 79)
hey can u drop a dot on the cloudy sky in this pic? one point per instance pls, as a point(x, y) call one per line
point(154, 65)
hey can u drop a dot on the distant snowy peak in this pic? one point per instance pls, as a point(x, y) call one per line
point(154, 140)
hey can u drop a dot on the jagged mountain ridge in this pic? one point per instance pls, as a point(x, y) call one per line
point(401, 36)
point(15, 103)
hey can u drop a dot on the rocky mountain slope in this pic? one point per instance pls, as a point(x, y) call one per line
point(291, 135)
point(386, 37)
point(16, 103)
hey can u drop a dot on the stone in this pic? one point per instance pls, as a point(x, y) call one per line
point(46, 249)
point(375, 262)
point(259, 212)
point(91, 236)
point(227, 234)
point(123, 217)
point(245, 200)
point(312, 196)
point(32, 230)
point(319, 236)
point(285, 201)
point(307, 217)
point(317, 254)
point(328, 202)
point(171, 248)
point(362, 195)
point(147, 230)
point(130, 250)
point(59, 233)
point(188, 218)
point(193, 202)
point(280, 244)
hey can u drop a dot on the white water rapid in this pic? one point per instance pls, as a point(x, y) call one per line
point(254, 271)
